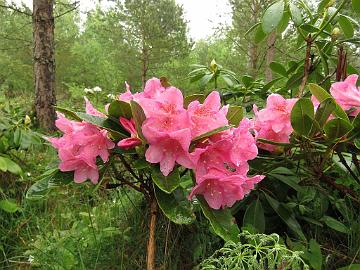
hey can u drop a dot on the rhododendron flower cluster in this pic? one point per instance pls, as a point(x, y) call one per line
point(80, 145)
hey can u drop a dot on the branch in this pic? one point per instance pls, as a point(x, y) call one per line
point(76, 5)
point(343, 162)
point(343, 189)
point(151, 245)
point(128, 167)
point(16, 9)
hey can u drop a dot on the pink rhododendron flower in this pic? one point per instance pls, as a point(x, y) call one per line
point(273, 122)
point(347, 94)
point(207, 116)
point(78, 148)
point(220, 189)
point(168, 142)
point(91, 110)
point(133, 141)
point(221, 166)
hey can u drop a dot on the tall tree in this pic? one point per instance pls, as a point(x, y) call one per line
point(44, 63)
point(157, 29)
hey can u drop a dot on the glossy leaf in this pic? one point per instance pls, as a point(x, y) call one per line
point(175, 206)
point(346, 26)
point(287, 216)
point(278, 68)
point(166, 183)
point(139, 117)
point(302, 115)
point(119, 108)
point(210, 133)
point(234, 115)
point(321, 95)
point(336, 128)
point(272, 17)
point(324, 110)
point(259, 35)
point(295, 14)
point(221, 221)
point(254, 216)
point(247, 80)
point(6, 164)
point(287, 177)
point(284, 23)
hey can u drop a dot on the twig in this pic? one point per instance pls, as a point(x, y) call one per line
point(343, 189)
point(151, 245)
point(16, 9)
point(128, 167)
point(68, 11)
point(307, 65)
point(356, 162)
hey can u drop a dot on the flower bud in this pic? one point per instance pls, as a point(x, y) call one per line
point(213, 65)
point(335, 33)
point(27, 120)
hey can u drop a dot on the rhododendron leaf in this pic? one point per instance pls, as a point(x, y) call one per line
point(139, 117)
point(254, 216)
point(6, 164)
point(295, 80)
point(9, 206)
point(287, 177)
point(234, 115)
point(189, 99)
point(205, 79)
point(325, 109)
point(247, 80)
point(68, 113)
point(321, 95)
point(274, 143)
point(175, 206)
point(119, 108)
point(272, 17)
point(278, 68)
point(295, 14)
point(283, 23)
point(271, 83)
point(286, 215)
point(105, 123)
point(346, 26)
point(351, 266)
point(166, 183)
point(301, 116)
point(221, 221)
point(141, 164)
point(259, 35)
point(336, 128)
point(210, 133)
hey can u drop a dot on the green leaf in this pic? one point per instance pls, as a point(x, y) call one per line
point(189, 99)
point(210, 133)
point(322, 5)
point(9, 206)
point(175, 206)
point(302, 115)
point(166, 183)
point(356, 5)
point(119, 108)
point(51, 179)
point(68, 113)
point(3, 164)
point(351, 266)
point(272, 17)
point(314, 255)
point(222, 222)
point(139, 117)
point(247, 80)
point(335, 224)
point(234, 115)
point(105, 123)
point(336, 128)
point(284, 23)
point(295, 80)
point(254, 216)
point(295, 14)
point(309, 28)
point(271, 83)
point(324, 110)
point(346, 26)
point(259, 35)
point(287, 177)
point(205, 79)
point(6, 164)
point(287, 216)
point(321, 95)
point(278, 68)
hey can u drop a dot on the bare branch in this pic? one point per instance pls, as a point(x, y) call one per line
point(16, 9)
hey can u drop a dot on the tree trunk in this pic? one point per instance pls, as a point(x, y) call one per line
point(144, 65)
point(151, 245)
point(253, 47)
point(270, 53)
point(44, 63)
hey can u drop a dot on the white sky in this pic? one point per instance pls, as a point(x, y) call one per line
point(202, 15)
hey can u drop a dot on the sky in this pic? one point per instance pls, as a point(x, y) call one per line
point(202, 15)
